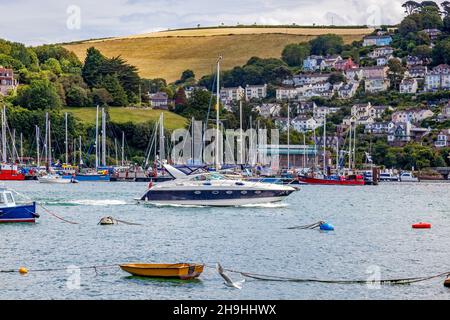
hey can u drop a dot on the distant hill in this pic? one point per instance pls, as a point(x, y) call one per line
point(167, 54)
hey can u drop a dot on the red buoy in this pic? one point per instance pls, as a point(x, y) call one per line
point(422, 225)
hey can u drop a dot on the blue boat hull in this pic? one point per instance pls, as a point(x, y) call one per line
point(91, 178)
point(26, 213)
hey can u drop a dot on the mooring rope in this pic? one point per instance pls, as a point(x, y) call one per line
point(400, 281)
point(61, 269)
point(308, 226)
point(44, 208)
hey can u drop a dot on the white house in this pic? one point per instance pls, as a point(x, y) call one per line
point(304, 123)
point(399, 134)
point(443, 139)
point(408, 85)
point(380, 52)
point(354, 75)
point(379, 128)
point(286, 93)
point(232, 94)
point(348, 90)
point(255, 92)
point(268, 110)
point(413, 115)
point(373, 85)
point(417, 71)
point(438, 78)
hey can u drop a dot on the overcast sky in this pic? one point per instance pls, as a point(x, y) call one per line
point(49, 21)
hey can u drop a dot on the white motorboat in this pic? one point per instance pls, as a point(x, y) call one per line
point(212, 189)
point(388, 177)
point(408, 177)
point(55, 179)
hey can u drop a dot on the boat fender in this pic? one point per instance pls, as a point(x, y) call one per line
point(447, 283)
point(36, 215)
point(326, 227)
point(422, 225)
point(23, 270)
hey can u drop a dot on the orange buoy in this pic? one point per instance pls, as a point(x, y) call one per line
point(422, 225)
point(23, 270)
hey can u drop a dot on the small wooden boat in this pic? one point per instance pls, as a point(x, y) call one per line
point(183, 271)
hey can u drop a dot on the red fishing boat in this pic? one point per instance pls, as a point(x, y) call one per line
point(10, 172)
point(352, 180)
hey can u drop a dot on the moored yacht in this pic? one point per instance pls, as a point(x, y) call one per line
point(212, 189)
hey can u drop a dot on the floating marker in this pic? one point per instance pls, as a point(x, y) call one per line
point(23, 270)
point(326, 227)
point(422, 225)
point(447, 283)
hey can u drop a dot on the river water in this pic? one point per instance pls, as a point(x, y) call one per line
point(373, 237)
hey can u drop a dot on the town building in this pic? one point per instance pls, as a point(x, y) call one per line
point(378, 40)
point(417, 71)
point(409, 86)
point(412, 115)
point(7, 81)
point(378, 128)
point(375, 72)
point(373, 85)
point(255, 92)
point(345, 64)
point(443, 139)
point(286, 93)
point(303, 123)
point(233, 94)
point(438, 78)
point(268, 110)
point(159, 100)
point(354, 75)
point(381, 52)
point(399, 134)
point(434, 34)
point(348, 90)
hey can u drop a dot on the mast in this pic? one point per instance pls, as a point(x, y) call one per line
point(46, 138)
point(21, 147)
point(325, 142)
point(241, 133)
point(38, 155)
point(115, 147)
point(49, 144)
point(162, 154)
point(123, 148)
point(14, 150)
point(289, 136)
point(354, 146)
point(103, 137)
point(67, 140)
point(218, 115)
point(96, 140)
point(350, 147)
point(81, 156)
point(5, 158)
point(304, 150)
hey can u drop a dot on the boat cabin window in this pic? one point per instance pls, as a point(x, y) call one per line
point(2, 198)
point(9, 197)
point(209, 177)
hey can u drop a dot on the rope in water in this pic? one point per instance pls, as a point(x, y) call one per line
point(401, 281)
point(262, 277)
point(45, 209)
point(308, 226)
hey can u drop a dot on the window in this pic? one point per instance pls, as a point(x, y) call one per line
point(9, 197)
point(2, 199)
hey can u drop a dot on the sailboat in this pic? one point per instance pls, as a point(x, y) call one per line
point(8, 171)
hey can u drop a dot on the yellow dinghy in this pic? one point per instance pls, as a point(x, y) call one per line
point(183, 271)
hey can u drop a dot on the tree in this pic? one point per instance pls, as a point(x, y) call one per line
point(441, 52)
point(336, 77)
point(180, 100)
point(53, 65)
point(411, 7)
point(186, 75)
point(422, 51)
point(294, 54)
point(40, 94)
point(327, 44)
point(93, 65)
point(408, 25)
point(77, 97)
point(101, 97)
point(118, 94)
point(396, 72)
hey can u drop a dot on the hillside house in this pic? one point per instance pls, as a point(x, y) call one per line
point(354, 75)
point(286, 93)
point(255, 92)
point(378, 128)
point(348, 90)
point(381, 52)
point(375, 72)
point(417, 71)
point(438, 78)
point(413, 115)
point(233, 94)
point(345, 64)
point(373, 85)
point(378, 40)
point(434, 34)
point(399, 134)
point(409, 86)
point(303, 123)
point(443, 139)
point(7, 81)
point(268, 110)
point(159, 100)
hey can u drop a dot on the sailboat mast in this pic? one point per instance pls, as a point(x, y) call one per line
point(103, 137)
point(49, 144)
point(38, 155)
point(81, 156)
point(5, 158)
point(162, 144)
point(123, 148)
point(96, 139)
point(289, 136)
point(325, 142)
point(350, 147)
point(218, 115)
point(241, 137)
point(21, 147)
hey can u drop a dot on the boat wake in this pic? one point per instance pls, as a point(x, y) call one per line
point(87, 202)
point(264, 205)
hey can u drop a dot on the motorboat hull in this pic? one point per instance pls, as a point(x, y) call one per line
point(17, 214)
point(335, 182)
point(218, 198)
